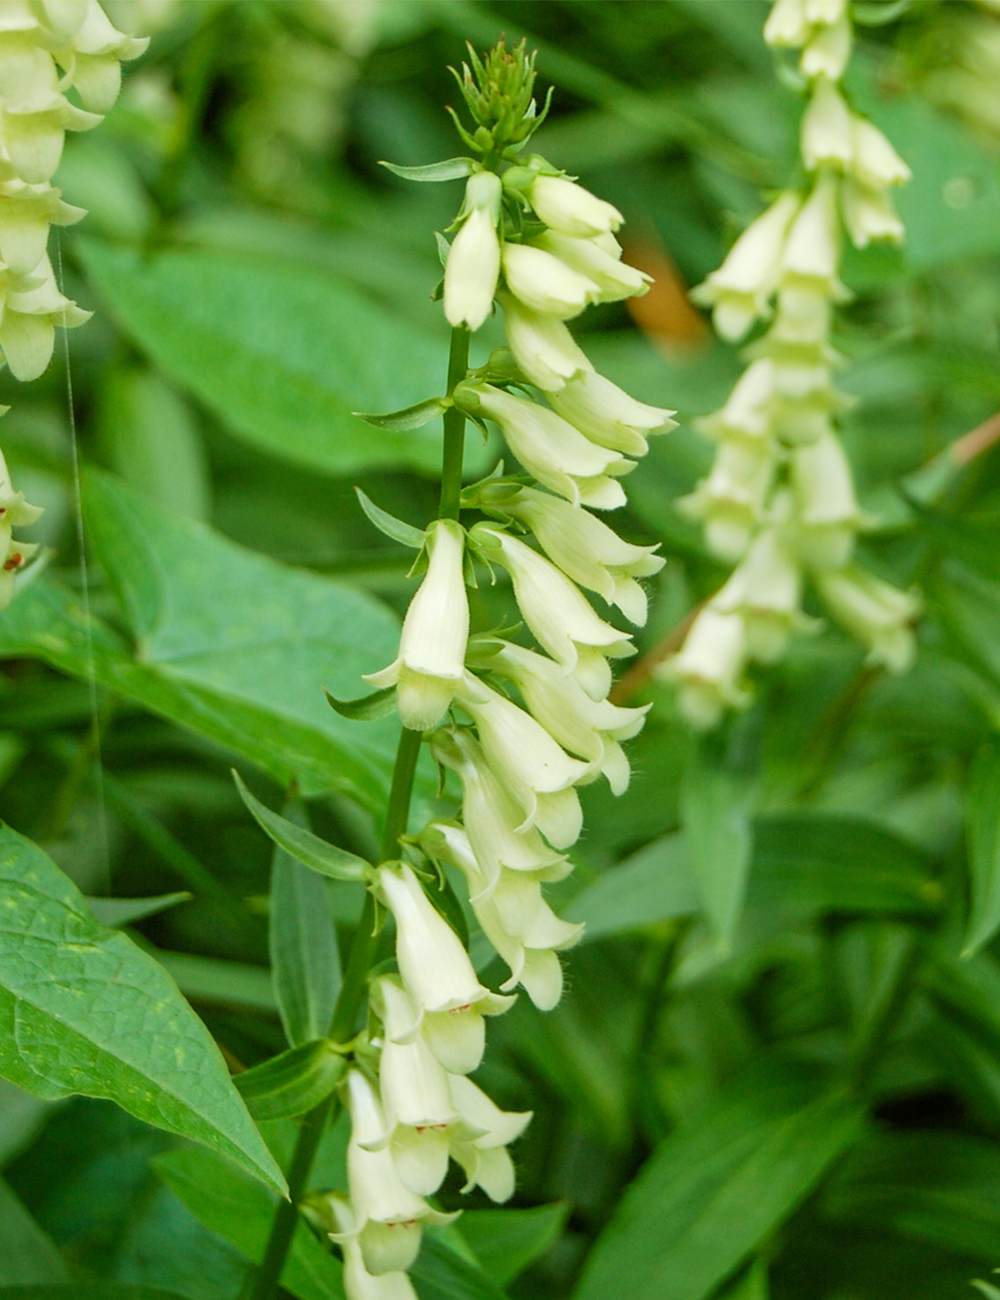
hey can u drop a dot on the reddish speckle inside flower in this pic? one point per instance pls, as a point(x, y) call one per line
point(13, 561)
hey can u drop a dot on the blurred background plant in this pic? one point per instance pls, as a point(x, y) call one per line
point(769, 1021)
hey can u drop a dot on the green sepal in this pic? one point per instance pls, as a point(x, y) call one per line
point(443, 248)
point(369, 708)
point(449, 169)
point(388, 524)
point(445, 902)
point(411, 417)
point(303, 845)
point(292, 1083)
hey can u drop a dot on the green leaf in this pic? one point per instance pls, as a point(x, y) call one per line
point(87, 1291)
point(507, 1241)
point(282, 354)
point(751, 1284)
point(369, 708)
point(969, 607)
point(241, 1211)
point(116, 912)
point(968, 992)
point(28, 1256)
point(719, 1186)
point(230, 644)
point(441, 1274)
point(220, 983)
point(388, 524)
point(984, 1288)
point(292, 1083)
point(305, 958)
point(302, 844)
point(451, 169)
point(715, 810)
point(936, 1186)
point(83, 1010)
point(651, 886)
point(982, 819)
point(413, 417)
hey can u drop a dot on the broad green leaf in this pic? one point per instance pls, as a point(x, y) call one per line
point(87, 1291)
point(982, 820)
point(241, 1211)
point(230, 644)
point(218, 982)
point(968, 992)
point(305, 958)
point(292, 1083)
point(302, 844)
point(441, 1274)
point(718, 1186)
point(282, 354)
point(937, 1186)
point(116, 912)
point(718, 837)
point(507, 1241)
point(83, 1010)
point(653, 885)
point(27, 1255)
point(450, 169)
point(751, 1284)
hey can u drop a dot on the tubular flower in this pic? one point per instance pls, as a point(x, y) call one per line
point(485, 1158)
point(470, 277)
point(359, 1284)
point(708, 667)
point(611, 278)
point(765, 589)
point(546, 284)
point(606, 415)
point(431, 656)
point(570, 209)
point(878, 614)
point(559, 617)
point(15, 512)
point(542, 346)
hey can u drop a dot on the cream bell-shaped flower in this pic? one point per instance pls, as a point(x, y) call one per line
point(876, 163)
point(15, 512)
point(485, 1159)
point(869, 215)
point(473, 267)
point(388, 1217)
point(708, 667)
point(593, 729)
point(749, 409)
point(765, 589)
point(545, 283)
point(827, 515)
point(605, 414)
point(740, 289)
point(585, 548)
point(878, 614)
point(94, 56)
point(524, 757)
point(787, 25)
point(570, 209)
point(28, 324)
point(549, 448)
point(812, 250)
point(542, 345)
point(828, 50)
point(613, 279)
point(493, 819)
point(827, 128)
point(438, 974)
point(513, 915)
point(558, 616)
point(359, 1284)
point(415, 1097)
point(730, 502)
point(26, 212)
point(431, 656)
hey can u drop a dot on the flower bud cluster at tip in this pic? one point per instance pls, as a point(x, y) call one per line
point(520, 729)
point(780, 499)
point(50, 50)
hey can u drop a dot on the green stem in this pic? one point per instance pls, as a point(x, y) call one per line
point(352, 990)
point(454, 428)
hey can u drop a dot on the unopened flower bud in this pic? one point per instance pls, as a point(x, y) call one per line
point(827, 512)
point(878, 614)
point(605, 414)
point(542, 345)
point(812, 250)
point(827, 128)
point(570, 209)
point(470, 277)
point(765, 589)
point(431, 656)
point(740, 289)
point(545, 283)
point(708, 667)
point(876, 163)
point(613, 279)
point(869, 215)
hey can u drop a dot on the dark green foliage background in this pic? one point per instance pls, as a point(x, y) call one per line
point(772, 1073)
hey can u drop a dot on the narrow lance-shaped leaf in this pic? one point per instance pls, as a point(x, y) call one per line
point(305, 959)
point(369, 708)
point(292, 1083)
point(115, 912)
point(303, 845)
point(388, 524)
point(411, 417)
point(982, 820)
point(84, 1010)
point(449, 169)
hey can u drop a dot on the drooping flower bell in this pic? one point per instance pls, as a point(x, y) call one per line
point(473, 267)
point(570, 209)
